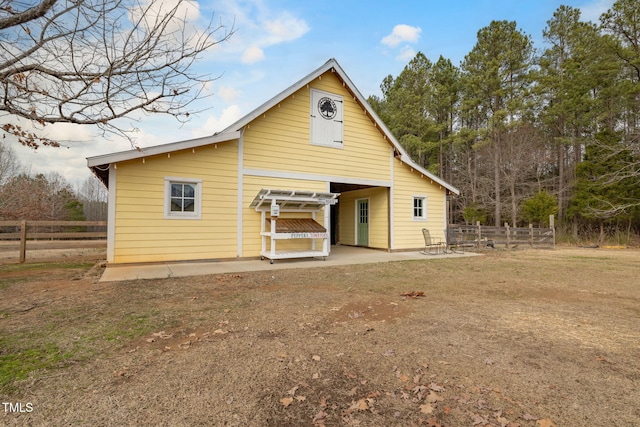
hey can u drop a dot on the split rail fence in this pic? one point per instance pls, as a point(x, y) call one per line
point(46, 235)
point(474, 237)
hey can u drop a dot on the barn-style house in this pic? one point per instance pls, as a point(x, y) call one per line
point(311, 167)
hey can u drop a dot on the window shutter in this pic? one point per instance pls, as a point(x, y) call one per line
point(327, 119)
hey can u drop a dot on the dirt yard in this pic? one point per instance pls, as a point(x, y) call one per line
point(522, 338)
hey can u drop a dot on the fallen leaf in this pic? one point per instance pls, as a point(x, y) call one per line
point(316, 358)
point(426, 408)
point(413, 294)
point(433, 397)
point(545, 423)
point(404, 378)
point(220, 332)
point(120, 373)
point(477, 419)
point(286, 401)
point(323, 402)
point(436, 387)
point(319, 417)
point(432, 422)
point(447, 410)
point(528, 417)
point(292, 392)
point(315, 376)
point(301, 398)
point(601, 359)
point(352, 392)
point(360, 405)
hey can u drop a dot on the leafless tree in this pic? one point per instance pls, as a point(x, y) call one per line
point(9, 164)
point(93, 195)
point(93, 62)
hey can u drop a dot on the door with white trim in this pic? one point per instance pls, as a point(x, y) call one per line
point(362, 222)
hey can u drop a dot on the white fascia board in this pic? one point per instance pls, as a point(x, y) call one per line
point(407, 160)
point(106, 159)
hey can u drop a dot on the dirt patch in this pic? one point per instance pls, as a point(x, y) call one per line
point(528, 338)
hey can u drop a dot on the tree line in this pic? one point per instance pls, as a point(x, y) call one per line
point(40, 197)
point(526, 132)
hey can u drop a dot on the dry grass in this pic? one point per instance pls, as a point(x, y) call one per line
point(523, 338)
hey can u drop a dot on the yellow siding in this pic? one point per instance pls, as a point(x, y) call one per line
point(251, 239)
point(280, 139)
point(408, 231)
point(143, 234)
point(378, 216)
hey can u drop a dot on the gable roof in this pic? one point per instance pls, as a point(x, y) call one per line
point(98, 164)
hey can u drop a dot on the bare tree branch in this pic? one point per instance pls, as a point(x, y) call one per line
point(93, 62)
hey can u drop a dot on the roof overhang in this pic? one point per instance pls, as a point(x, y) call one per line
point(99, 165)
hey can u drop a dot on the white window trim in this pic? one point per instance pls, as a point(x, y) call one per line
point(197, 213)
point(425, 204)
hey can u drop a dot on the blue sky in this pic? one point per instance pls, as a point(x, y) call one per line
point(277, 42)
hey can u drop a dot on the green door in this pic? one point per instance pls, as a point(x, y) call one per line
point(362, 228)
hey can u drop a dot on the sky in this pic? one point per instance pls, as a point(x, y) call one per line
point(277, 42)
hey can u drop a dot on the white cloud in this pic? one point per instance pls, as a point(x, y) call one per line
point(228, 94)
point(284, 28)
point(214, 124)
point(402, 33)
point(252, 55)
point(592, 11)
point(258, 26)
point(407, 53)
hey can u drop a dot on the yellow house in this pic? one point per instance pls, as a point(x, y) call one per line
point(311, 167)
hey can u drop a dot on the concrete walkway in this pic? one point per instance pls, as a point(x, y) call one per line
point(340, 255)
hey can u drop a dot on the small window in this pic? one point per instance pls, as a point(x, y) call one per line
point(183, 198)
point(419, 207)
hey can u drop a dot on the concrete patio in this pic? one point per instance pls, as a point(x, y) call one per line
point(340, 255)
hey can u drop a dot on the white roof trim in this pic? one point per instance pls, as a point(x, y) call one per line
point(106, 159)
point(332, 64)
point(234, 131)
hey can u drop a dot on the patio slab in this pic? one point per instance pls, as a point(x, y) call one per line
point(340, 255)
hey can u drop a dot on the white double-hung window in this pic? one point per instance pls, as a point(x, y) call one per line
point(182, 198)
point(419, 208)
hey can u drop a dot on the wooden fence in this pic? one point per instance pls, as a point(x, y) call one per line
point(41, 235)
point(480, 236)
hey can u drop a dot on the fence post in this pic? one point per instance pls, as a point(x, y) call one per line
point(506, 226)
point(23, 241)
point(552, 224)
point(479, 239)
point(531, 234)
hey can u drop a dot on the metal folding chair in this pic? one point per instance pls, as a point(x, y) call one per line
point(431, 245)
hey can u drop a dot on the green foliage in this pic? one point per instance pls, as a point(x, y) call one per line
point(508, 122)
point(473, 213)
point(537, 209)
point(596, 195)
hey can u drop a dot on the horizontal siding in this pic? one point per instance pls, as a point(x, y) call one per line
point(378, 216)
point(280, 139)
point(407, 184)
point(251, 239)
point(143, 234)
